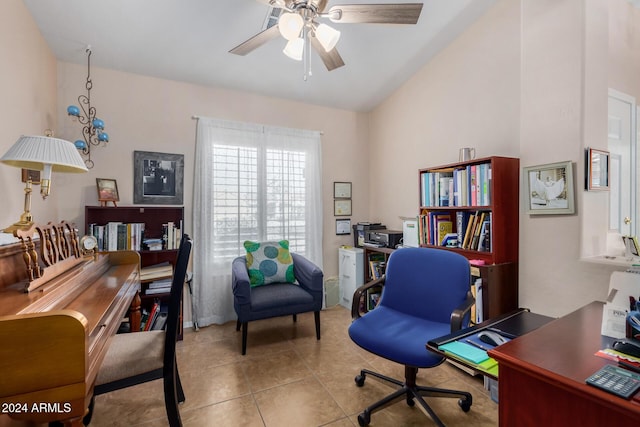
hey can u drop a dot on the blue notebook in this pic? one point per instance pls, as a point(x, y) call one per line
point(466, 351)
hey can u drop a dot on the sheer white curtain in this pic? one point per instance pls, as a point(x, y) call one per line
point(252, 182)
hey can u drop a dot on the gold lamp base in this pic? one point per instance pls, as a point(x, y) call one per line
point(26, 219)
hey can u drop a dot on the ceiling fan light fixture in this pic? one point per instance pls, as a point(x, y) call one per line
point(294, 49)
point(327, 36)
point(290, 24)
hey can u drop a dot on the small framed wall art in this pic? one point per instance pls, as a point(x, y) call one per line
point(549, 189)
point(342, 207)
point(597, 173)
point(343, 226)
point(341, 190)
point(107, 191)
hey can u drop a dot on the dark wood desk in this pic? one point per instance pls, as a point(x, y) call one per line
point(542, 376)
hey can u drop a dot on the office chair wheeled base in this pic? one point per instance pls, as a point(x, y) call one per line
point(410, 391)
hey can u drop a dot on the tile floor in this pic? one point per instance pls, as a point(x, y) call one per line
point(288, 379)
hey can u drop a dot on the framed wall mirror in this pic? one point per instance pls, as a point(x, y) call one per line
point(597, 173)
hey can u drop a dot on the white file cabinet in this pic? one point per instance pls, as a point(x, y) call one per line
point(351, 273)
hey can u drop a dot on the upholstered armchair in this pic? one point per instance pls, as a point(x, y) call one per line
point(276, 299)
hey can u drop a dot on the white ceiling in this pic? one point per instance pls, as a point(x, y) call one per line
point(189, 40)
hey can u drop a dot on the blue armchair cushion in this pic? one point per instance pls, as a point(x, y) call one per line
point(269, 262)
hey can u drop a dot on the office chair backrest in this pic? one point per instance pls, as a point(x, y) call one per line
point(425, 282)
point(175, 300)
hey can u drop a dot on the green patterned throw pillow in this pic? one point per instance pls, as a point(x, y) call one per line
point(269, 262)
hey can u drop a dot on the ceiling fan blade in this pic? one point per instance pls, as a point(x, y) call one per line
point(256, 41)
point(402, 13)
point(331, 59)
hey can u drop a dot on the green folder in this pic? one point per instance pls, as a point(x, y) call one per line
point(465, 351)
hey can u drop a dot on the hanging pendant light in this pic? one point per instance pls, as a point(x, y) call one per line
point(93, 129)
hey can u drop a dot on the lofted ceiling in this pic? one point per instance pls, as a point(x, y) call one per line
point(189, 41)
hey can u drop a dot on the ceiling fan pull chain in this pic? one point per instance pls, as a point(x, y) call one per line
point(307, 53)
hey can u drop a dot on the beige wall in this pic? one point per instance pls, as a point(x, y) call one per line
point(466, 97)
point(28, 102)
point(150, 114)
point(624, 47)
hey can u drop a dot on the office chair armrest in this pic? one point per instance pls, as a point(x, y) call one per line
point(357, 295)
point(458, 315)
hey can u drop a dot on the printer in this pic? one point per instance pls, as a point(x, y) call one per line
point(383, 238)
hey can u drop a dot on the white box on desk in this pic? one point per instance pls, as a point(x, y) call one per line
point(622, 286)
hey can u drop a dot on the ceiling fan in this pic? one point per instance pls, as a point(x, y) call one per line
point(300, 24)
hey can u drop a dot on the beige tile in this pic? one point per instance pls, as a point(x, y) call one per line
point(210, 385)
point(287, 378)
point(240, 412)
point(301, 403)
point(274, 369)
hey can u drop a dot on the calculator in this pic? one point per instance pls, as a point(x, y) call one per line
point(616, 380)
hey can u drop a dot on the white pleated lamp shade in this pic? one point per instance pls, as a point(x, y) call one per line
point(34, 152)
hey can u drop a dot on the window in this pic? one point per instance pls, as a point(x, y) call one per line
point(251, 182)
point(248, 208)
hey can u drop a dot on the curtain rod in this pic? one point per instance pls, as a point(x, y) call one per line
point(198, 117)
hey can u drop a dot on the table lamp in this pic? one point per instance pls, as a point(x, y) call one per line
point(42, 153)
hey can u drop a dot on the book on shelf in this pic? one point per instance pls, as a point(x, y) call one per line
point(158, 291)
point(376, 268)
point(477, 225)
point(156, 271)
point(162, 283)
point(468, 234)
point(153, 314)
point(484, 244)
point(462, 218)
point(161, 320)
point(152, 244)
point(373, 297)
point(444, 227)
point(171, 234)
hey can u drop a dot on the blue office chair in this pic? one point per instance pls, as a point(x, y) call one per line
point(426, 294)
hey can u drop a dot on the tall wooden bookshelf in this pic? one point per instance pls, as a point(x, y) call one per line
point(486, 188)
point(153, 217)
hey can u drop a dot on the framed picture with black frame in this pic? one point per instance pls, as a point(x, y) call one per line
point(341, 190)
point(158, 178)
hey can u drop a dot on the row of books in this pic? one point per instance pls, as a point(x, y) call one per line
point(154, 319)
point(171, 235)
point(434, 228)
point(464, 186)
point(474, 230)
point(116, 236)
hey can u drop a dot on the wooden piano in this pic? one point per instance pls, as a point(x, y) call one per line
point(59, 308)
